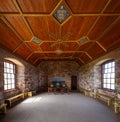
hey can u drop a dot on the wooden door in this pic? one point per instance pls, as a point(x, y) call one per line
point(73, 82)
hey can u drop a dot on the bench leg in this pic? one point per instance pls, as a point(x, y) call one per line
point(116, 108)
point(109, 102)
point(4, 109)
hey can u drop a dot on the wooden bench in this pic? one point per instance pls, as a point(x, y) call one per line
point(85, 91)
point(105, 97)
point(3, 108)
point(31, 93)
point(13, 99)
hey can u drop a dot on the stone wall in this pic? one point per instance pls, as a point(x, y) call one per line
point(26, 78)
point(52, 69)
point(90, 74)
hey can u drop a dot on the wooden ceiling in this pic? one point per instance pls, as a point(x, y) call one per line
point(96, 20)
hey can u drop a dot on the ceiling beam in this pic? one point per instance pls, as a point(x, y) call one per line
point(88, 55)
point(106, 5)
point(11, 27)
point(62, 53)
point(81, 60)
point(29, 56)
point(109, 27)
point(102, 47)
point(38, 14)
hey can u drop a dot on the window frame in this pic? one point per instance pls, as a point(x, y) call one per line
point(102, 77)
point(14, 72)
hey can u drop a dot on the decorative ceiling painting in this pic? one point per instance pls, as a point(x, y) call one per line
point(59, 30)
point(61, 14)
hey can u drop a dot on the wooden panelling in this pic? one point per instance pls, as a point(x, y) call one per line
point(77, 55)
point(85, 58)
point(35, 56)
point(7, 37)
point(43, 26)
point(69, 55)
point(37, 62)
point(23, 51)
point(113, 7)
point(112, 37)
point(87, 6)
point(7, 6)
point(79, 62)
point(41, 6)
point(59, 56)
point(64, 46)
point(20, 26)
point(84, 47)
point(46, 46)
point(69, 46)
point(52, 55)
point(22, 20)
point(95, 51)
point(103, 23)
point(33, 46)
point(79, 26)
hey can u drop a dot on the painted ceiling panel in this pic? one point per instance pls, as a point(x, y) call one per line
point(72, 30)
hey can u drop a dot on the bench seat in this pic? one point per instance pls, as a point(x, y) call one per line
point(13, 99)
point(105, 96)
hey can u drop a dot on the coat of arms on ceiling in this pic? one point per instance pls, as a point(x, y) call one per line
point(61, 13)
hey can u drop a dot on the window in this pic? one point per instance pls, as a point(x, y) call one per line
point(9, 75)
point(108, 75)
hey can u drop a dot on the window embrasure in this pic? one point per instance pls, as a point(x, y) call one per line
point(108, 75)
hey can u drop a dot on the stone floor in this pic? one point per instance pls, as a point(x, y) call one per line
point(73, 107)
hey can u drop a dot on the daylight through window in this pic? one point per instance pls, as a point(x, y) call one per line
point(9, 75)
point(108, 75)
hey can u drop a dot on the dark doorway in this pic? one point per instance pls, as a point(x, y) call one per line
point(73, 82)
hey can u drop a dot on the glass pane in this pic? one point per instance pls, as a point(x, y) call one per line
point(109, 65)
point(112, 75)
point(105, 75)
point(108, 86)
point(106, 66)
point(9, 86)
point(113, 63)
point(113, 69)
point(9, 81)
point(112, 86)
point(108, 75)
point(8, 75)
point(113, 81)
point(108, 80)
point(12, 71)
point(11, 66)
point(5, 81)
point(7, 64)
point(12, 75)
point(106, 71)
point(8, 70)
point(5, 75)
point(5, 87)
point(13, 86)
point(109, 70)
point(13, 81)
point(104, 85)
point(105, 81)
